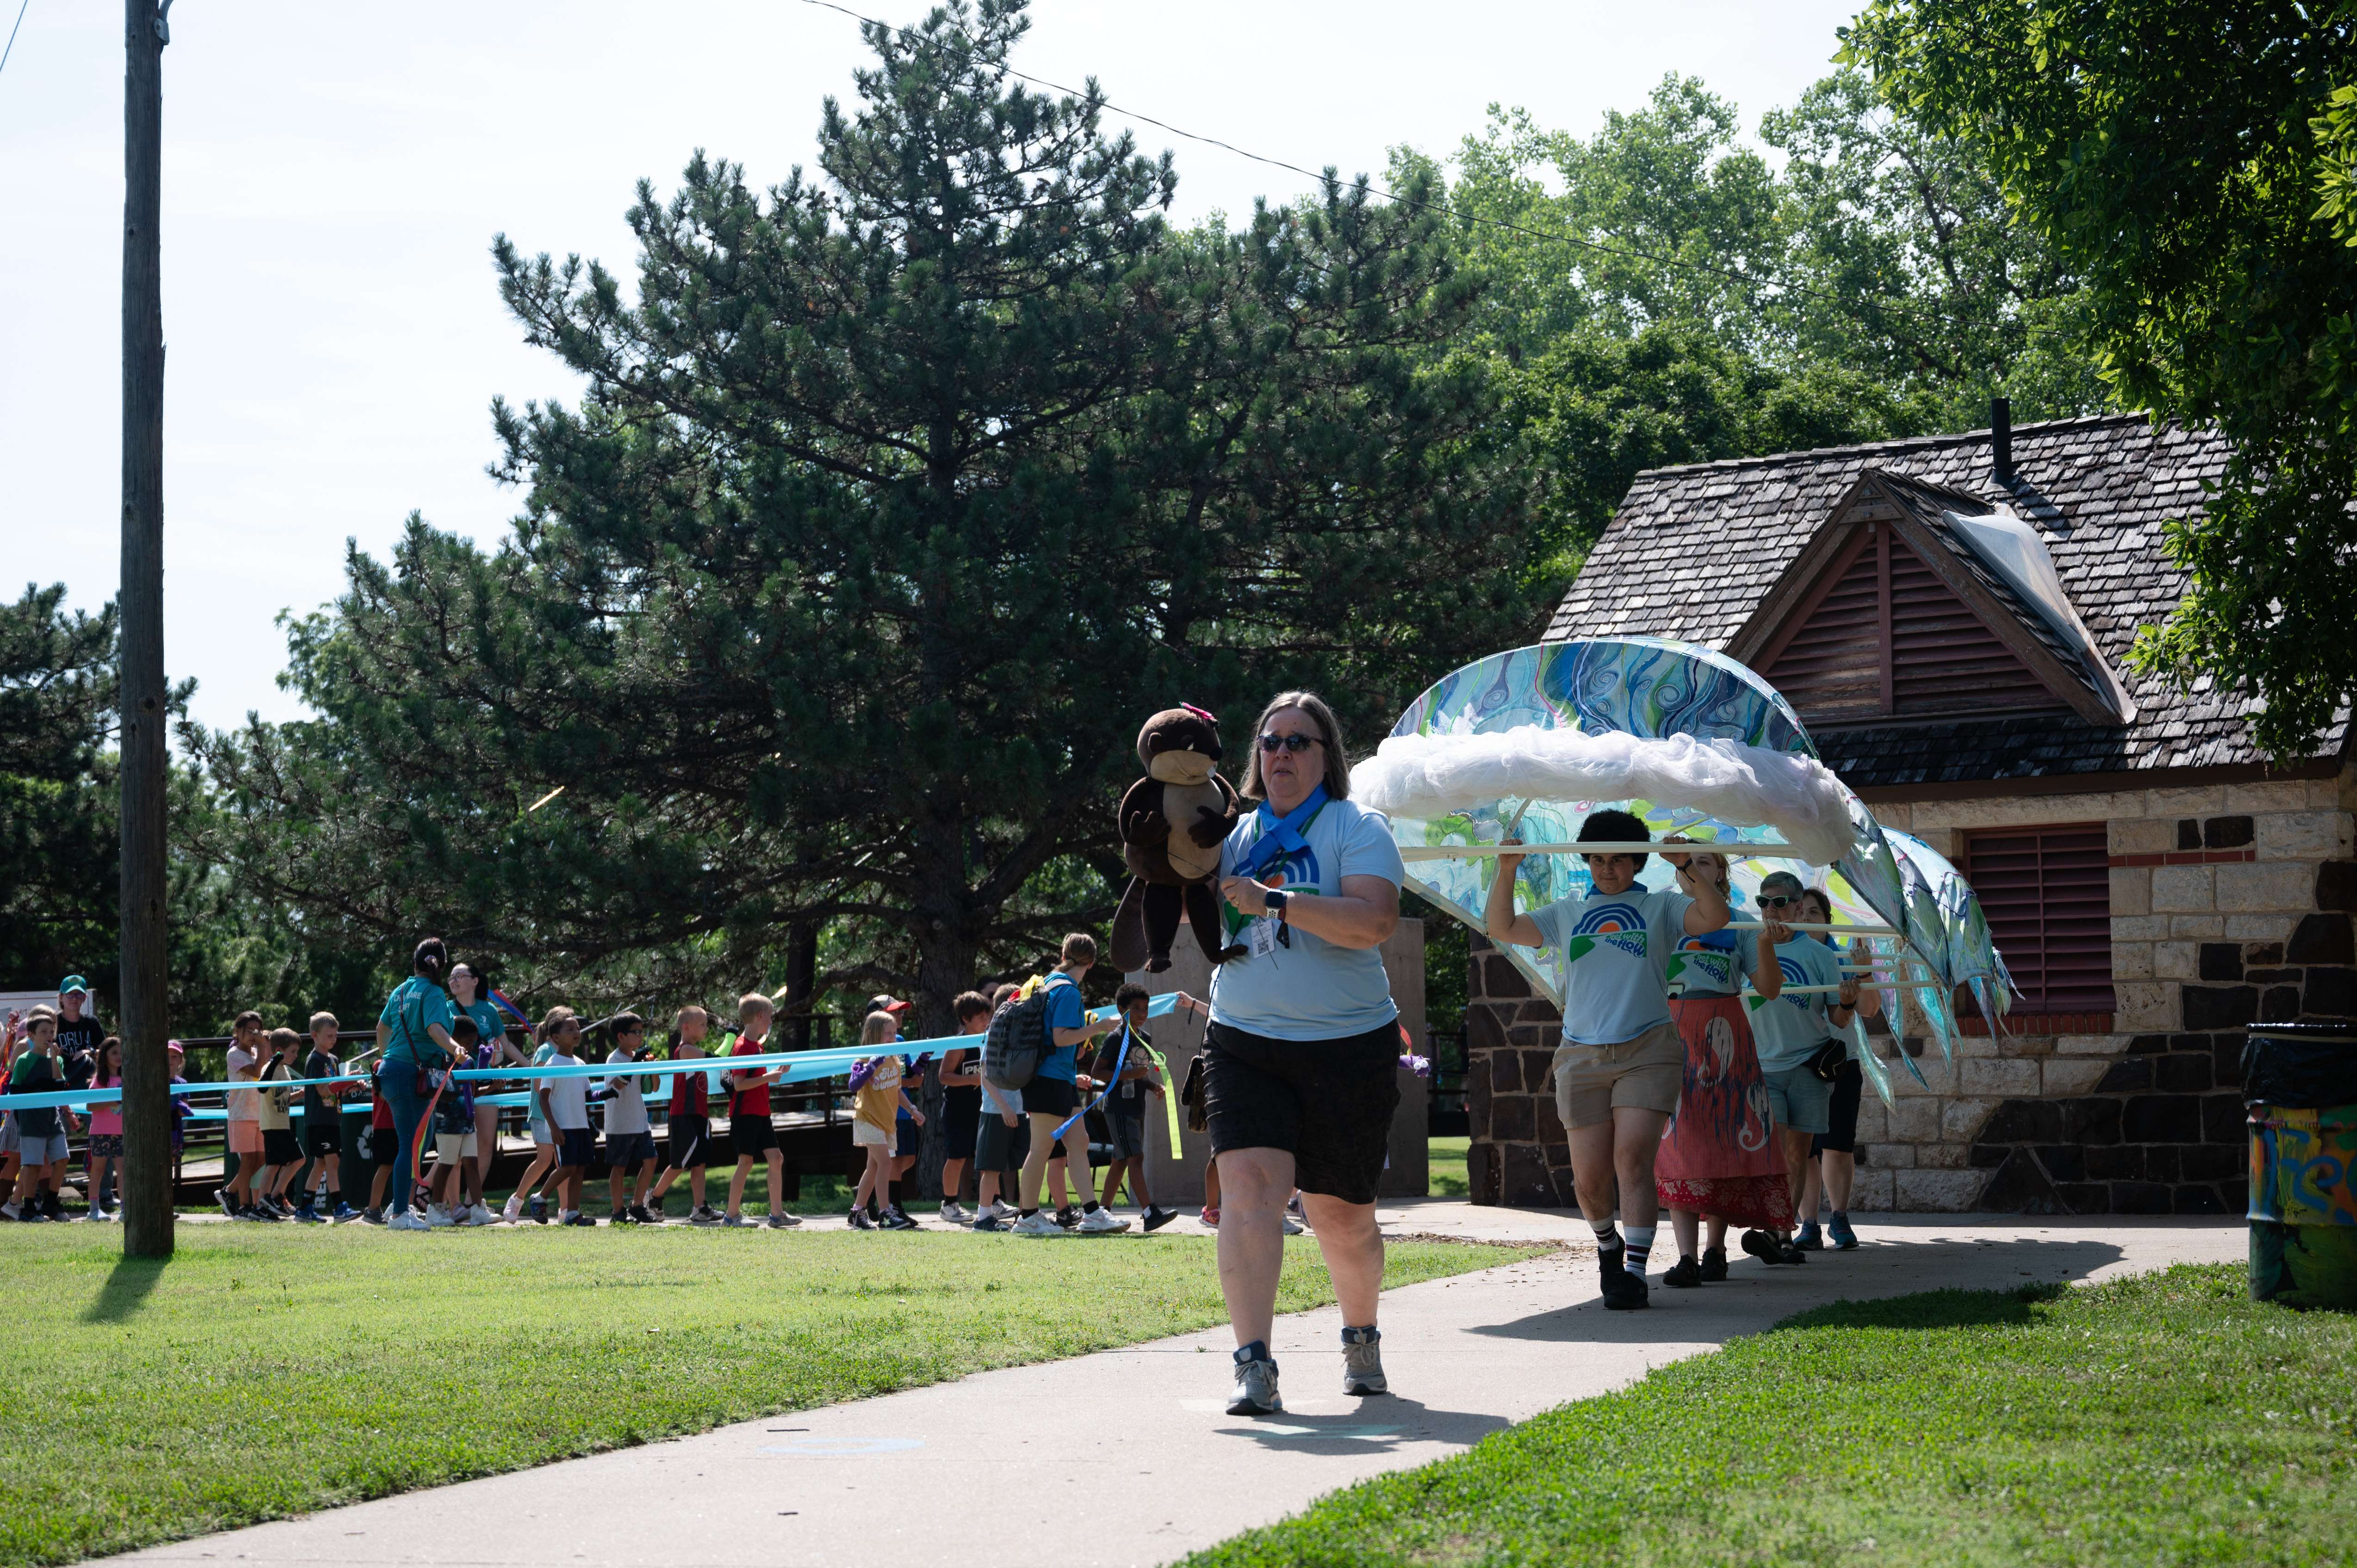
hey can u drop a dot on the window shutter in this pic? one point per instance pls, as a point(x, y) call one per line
point(1830, 668)
point(2047, 894)
point(1943, 659)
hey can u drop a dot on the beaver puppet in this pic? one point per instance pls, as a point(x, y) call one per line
point(1172, 822)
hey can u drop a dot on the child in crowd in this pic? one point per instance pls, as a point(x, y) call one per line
point(323, 1126)
point(629, 1138)
point(1122, 1061)
point(543, 1137)
point(750, 1131)
point(877, 1103)
point(1002, 1137)
point(1789, 1031)
point(105, 1151)
point(41, 1130)
point(564, 1106)
point(246, 1045)
point(456, 1199)
point(12, 1039)
point(691, 1118)
point(960, 1112)
point(382, 1146)
point(176, 1057)
point(282, 1152)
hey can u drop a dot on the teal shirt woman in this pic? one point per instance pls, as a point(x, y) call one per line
point(413, 1031)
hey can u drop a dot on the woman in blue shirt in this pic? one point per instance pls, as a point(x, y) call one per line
point(471, 996)
point(413, 1034)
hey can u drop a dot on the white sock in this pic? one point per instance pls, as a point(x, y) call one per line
point(1641, 1247)
point(1608, 1240)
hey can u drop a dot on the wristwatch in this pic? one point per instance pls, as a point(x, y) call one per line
point(1273, 901)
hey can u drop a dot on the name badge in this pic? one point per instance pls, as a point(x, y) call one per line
point(1263, 939)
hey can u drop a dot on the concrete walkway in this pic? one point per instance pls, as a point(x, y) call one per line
point(1125, 1457)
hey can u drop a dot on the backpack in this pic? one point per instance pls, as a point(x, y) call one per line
point(1011, 1052)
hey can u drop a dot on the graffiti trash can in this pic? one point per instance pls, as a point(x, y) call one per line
point(2301, 1083)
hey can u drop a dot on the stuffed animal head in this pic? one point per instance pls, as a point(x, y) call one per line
point(1179, 746)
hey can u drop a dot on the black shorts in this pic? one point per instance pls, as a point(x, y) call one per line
point(997, 1147)
point(380, 1145)
point(1125, 1132)
point(751, 1136)
point(689, 1134)
point(279, 1147)
point(1329, 1102)
point(321, 1135)
point(904, 1138)
point(575, 1147)
point(961, 1120)
point(1051, 1096)
point(1841, 1136)
point(628, 1151)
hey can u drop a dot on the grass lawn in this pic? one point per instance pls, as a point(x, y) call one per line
point(1447, 1157)
point(2160, 1419)
point(269, 1371)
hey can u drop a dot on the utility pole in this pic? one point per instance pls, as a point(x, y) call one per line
point(147, 1101)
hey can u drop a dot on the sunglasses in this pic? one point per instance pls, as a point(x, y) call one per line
point(1274, 743)
point(1778, 902)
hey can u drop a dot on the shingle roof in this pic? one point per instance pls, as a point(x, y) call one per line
point(1693, 549)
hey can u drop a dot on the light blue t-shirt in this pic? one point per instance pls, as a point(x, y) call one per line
point(1308, 988)
point(1065, 1011)
point(1787, 1030)
point(1713, 964)
point(1616, 951)
point(416, 1005)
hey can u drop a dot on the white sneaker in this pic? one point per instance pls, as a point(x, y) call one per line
point(478, 1215)
point(407, 1220)
point(1101, 1222)
point(1292, 1225)
point(1004, 1212)
point(1255, 1389)
point(513, 1210)
point(438, 1216)
point(1039, 1223)
point(953, 1214)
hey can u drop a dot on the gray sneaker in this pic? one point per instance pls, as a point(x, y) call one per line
point(1255, 1391)
point(1362, 1363)
point(784, 1221)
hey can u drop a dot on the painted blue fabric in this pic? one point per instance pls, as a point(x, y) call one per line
point(1788, 1029)
point(1616, 951)
point(1308, 988)
point(1064, 1011)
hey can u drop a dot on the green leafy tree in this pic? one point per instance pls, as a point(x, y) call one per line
point(898, 497)
point(2190, 161)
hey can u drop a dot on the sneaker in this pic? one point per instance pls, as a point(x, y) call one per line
point(539, 1211)
point(478, 1215)
point(1844, 1238)
point(1809, 1240)
point(581, 1219)
point(372, 1215)
point(1156, 1218)
point(641, 1215)
point(265, 1214)
point(736, 1219)
point(1292, 1225)
point(788, 1221)
point(1764, 1247)
point(954, 1215)
point(1038, 1224)
point(1255, 1387)
point(704, 1214)
point(279, 1205)
point(1714, 1265)
point(1211, 1217)
point(859, 1220)
point(35, 1216)
point(304, 1214)
point(1362, 1363)
point(345, 1213)
point(407, 1220)
point(1683, 1275)
point(1791, 1253)
point(625, 1215)
point(228, 1204)
point(894, 1213)
point(54, 1208)
point(1067, 1216)
point(9, 1213)
point(1101, 1222)
point(988, 1222)
point(513, 1210)
point(1004, 1212)
point(1624, 1292)
point(437, 1217)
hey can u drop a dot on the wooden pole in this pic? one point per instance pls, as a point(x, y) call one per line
point(146, 1110)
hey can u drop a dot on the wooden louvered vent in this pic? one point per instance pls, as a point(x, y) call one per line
point(1884, 638)
point(2047, 894)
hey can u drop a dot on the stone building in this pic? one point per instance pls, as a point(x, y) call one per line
point(2153, 883)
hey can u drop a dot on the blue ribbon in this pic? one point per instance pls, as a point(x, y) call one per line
point(1102, 1095)
point(1276, 836)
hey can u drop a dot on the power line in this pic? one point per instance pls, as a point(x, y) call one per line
point(5, 53)
point(1397, 200)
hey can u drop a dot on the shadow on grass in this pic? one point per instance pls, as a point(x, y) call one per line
point(126, 1291)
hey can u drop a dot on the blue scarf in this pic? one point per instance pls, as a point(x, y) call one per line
point(1278, 836)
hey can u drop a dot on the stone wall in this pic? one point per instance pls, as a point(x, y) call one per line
point(2231, 904)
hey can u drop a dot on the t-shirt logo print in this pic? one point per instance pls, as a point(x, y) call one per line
point(1618, 926)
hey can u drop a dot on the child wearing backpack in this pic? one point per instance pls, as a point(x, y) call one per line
point(1033, 1048)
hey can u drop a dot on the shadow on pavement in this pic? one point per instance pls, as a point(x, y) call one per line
point(1757, 1295)
point(1381, 1422)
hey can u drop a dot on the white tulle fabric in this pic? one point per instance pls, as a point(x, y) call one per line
point(1428, 776)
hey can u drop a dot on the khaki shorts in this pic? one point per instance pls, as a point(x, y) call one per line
point(866, 1135)
point(1591, 1081)
point(451, 1147)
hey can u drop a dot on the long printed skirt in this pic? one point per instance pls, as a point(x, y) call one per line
point(1719, 1154)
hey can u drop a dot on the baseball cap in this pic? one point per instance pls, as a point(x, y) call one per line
point(73, 982)
point(885, 1005)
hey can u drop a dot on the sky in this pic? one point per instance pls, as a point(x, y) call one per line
point(334, 174)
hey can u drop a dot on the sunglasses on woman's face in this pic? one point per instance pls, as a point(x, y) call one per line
point(1273, 742)
point(1776, 902)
